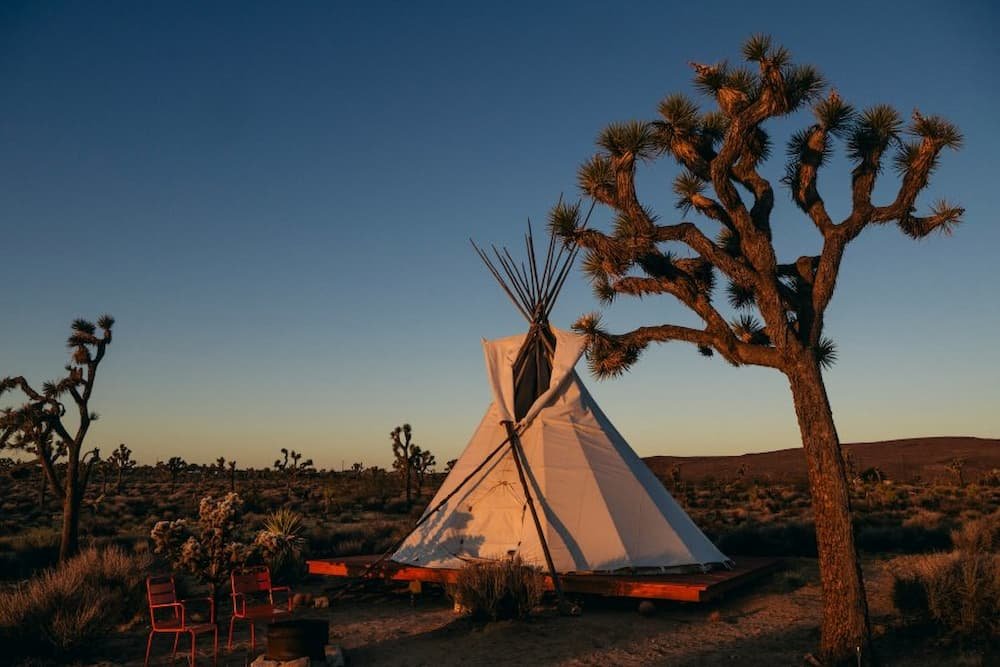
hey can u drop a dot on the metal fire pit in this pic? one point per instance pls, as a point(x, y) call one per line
point(299, 638)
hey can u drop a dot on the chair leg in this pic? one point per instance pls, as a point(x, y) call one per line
point(215, 646)
point(229, 644)
point(177, 639)
point(149, 645)
point(253, 640)
point(194, 639)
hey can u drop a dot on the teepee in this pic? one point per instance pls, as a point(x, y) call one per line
point(546, 475)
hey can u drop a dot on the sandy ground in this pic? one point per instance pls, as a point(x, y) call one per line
point(773, 622)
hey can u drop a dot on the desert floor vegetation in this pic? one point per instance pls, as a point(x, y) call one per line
point(929, 550)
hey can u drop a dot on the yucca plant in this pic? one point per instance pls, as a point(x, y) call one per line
point(782, 304)
point(281, 543)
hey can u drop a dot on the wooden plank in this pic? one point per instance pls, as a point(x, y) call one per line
point(695, 587)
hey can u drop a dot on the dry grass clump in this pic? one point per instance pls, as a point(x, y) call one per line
point(960, 590)
point(498, 589)
point(67, 609)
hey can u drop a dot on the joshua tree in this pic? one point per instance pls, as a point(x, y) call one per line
point(402, 449)
point(719, 153)
point(40, 427)
point(421, 463)
point(291, 465)
point(450, 464)
point(356, 470)
point(174, 466)
point(232, 476)
point(121, 462)
point(957, 465)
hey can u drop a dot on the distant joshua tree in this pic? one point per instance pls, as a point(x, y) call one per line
point(402, 450)
point(450, 465)
point(121, 462)
point(784, 304)
point(174, 466)
point(292, 466)
point(422, 463)
point(38, 426)
point(957, 466)
point(357, 469)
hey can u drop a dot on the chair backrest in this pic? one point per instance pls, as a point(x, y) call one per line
point(253, 580)
point(161, 590)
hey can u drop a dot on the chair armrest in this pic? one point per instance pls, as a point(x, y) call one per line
point(175, 605)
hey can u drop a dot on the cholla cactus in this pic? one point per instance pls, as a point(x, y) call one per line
point(211, 550)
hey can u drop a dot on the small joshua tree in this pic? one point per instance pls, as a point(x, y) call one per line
point(957, 466)
point(402, 450)
point(783, 304)
point(174, 466)
point(121, 462)
point(291, 466)
point(357, 469)
point(39, 426)
point(450, 465)
point(422, 463)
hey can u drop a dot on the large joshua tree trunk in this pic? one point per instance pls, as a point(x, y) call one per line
point(69, 544)
point(845, 608)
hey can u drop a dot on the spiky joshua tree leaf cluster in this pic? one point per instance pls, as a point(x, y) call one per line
point(781, 305)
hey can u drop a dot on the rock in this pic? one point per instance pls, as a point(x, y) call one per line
point(263, 661)
point(298, 600)
point(321, 602)
point(334, 656)
point(647, 608)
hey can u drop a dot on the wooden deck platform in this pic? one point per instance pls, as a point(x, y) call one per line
point(698, 587)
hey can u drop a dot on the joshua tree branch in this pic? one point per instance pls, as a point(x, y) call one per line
point(731, 349)
point(803, 180)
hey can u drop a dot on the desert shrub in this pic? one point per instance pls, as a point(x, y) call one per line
point(794, 538)
point(895, 538)
point(498, 589)
point(281, 544)
point(959, 591)
point(22, 555)
point(64, 610)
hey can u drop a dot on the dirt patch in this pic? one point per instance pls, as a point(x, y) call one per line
point(774, 623)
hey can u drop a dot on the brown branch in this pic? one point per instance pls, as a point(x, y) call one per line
point(731, 349)
point(803, 183)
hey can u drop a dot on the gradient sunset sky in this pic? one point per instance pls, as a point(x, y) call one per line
point(275, 202)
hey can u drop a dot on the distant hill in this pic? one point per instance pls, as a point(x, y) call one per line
point(901, 460)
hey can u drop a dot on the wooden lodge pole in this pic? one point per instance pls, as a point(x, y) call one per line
point(515, 445)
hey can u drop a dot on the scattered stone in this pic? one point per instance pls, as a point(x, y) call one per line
point(298, 600)
point(321, 602)
point(715, 617)
point(647, 608)
point(334, 656)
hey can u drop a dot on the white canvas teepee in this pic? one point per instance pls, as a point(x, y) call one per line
point(599, 508)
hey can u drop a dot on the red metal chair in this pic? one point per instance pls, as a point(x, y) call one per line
point(253, 600)
point(162, 594)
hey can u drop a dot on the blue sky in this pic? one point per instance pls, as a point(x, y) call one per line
point(275, 203)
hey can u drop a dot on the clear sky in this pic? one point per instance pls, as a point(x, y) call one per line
point(274, 201)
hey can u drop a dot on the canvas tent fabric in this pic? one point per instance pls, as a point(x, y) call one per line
point(600, 508)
